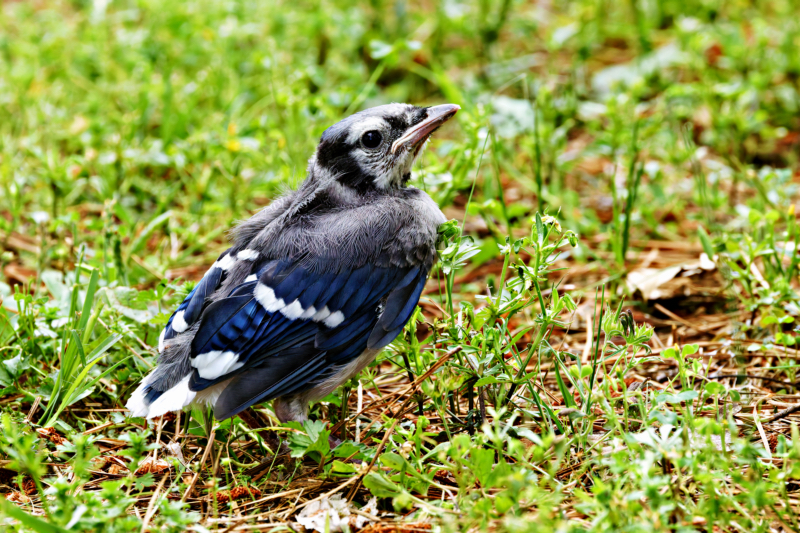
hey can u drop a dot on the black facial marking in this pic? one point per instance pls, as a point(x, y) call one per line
point(420, 114)
point(338, 159)
point(363, 183)
point(341, 159)
point(331, 151)
point(397, 123)
point(320, 202)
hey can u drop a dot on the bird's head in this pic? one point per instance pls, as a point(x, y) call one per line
point(376, 148)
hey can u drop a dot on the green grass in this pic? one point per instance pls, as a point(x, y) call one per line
point(596, 140)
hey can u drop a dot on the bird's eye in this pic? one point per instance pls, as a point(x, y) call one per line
point(371, 139)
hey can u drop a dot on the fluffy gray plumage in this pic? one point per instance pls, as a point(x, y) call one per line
point(313, 286)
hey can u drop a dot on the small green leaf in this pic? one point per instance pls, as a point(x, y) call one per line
point(684, 396)
point(768, 320)
point(313, 441)
point(482, 464)
point(394, 461)
point(15, 366)
point(705, 240)
point(29, 521)
point(690, 349)
point(573, 414)
point(339, 467)
point(669, 353)
point(381, 486)
point(488, 380)
point(539, 229)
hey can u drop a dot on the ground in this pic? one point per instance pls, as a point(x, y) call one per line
point(609, 342)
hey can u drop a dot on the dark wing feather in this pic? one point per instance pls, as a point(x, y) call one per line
point(278, 349)
point(279, 376)
point(224, 319)
point(194, 303)
point(203, 290)
point(398, 309)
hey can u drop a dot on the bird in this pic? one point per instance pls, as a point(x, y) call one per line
point(313, 286)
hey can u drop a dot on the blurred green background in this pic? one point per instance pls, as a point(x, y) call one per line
point(144, 129)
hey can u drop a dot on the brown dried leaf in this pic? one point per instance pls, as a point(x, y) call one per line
point(648, 280)
point(772, 440)
point(166, 417)
point(17, 497)
point(29, 487)
point(237, 493)
point(397, 527)
point(116, 470)
point(18, 273)
point(149, 466)
point(51, 435)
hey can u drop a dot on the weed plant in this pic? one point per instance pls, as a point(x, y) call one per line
point(536, 388)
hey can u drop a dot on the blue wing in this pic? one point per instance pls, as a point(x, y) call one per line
point(192, 306)
point(293, 327)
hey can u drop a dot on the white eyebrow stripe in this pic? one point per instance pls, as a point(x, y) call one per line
point(359, 128)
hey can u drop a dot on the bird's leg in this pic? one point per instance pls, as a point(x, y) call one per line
point(290, 409)
point(294, 409)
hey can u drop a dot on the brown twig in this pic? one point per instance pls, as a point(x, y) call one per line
point(783, 414)
point(148, 514)
point(360, 478)
point(398, 394)
point(206, 453)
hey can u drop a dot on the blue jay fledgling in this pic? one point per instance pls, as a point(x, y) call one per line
point(314, 285)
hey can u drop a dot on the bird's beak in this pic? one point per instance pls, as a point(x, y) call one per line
point(418, 134)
